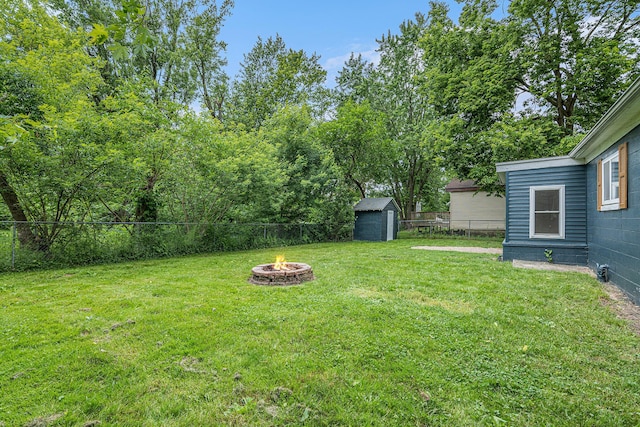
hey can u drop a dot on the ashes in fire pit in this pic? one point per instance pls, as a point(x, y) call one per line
point(281, 273)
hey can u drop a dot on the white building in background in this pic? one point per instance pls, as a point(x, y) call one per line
point(471, 209)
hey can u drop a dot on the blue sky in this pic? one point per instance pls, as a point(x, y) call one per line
point(331, 28)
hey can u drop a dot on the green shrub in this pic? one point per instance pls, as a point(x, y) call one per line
point(97, 243)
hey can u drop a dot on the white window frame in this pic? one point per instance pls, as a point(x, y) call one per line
point(611, 203)
point(532, 212)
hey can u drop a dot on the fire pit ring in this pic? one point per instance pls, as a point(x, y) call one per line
point(266, 274)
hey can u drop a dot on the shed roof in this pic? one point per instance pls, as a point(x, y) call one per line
point(458, 186)
point(374, 204)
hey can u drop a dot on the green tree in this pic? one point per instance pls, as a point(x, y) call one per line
point(172, 45)
point(470, 79)
point(185, 61)
point(166, 52)
point(47, 169)
point(575, 57)
point(355, 80)
point(357, 138)
point(408, 114)
point(205, 50)
point(272, 77)
point(560, 61)
point(19, 102)
point(401, 162)
point(76, 158)
point(220, 175)
point(314, 190)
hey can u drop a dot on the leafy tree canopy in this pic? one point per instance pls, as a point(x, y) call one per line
point(273, 76)
point(563, 61)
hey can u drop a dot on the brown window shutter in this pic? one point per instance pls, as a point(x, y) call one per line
point(599, 197)
point(622, 174)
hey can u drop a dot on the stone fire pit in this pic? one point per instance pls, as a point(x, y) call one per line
point(291, 273)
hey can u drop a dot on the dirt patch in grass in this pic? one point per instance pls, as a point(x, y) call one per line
point(624, 308)
point(553, 267)
point(191, 364)
point(44, 421)
point(122, 324)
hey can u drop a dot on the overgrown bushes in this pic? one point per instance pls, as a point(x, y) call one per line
point(95, 243)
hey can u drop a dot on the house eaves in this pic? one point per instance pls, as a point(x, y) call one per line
point(520, 165)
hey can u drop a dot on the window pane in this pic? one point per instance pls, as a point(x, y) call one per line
point(606, 181)
point(547, 200)
point(615, 191)
point(614, 170)
point(547, 223)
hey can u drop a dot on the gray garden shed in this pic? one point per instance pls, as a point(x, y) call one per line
point(376, 219)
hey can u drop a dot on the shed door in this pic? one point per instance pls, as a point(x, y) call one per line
point(390, 225)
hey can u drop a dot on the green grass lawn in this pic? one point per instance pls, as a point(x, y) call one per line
point(385, 336)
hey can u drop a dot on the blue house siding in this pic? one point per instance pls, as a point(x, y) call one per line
point(517, 245)
point(614, 236)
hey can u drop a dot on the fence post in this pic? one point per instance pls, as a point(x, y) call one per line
point(13, 246)
point(469, 230)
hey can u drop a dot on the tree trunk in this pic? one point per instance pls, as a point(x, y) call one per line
point(26, 237)
point(358, 184)
point(146, 206)
point(411, 189)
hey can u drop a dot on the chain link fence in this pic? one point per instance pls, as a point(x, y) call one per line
point(80, 243)
point(444, 226)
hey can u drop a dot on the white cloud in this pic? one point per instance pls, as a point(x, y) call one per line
point(334, 64)
point(368, 54)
